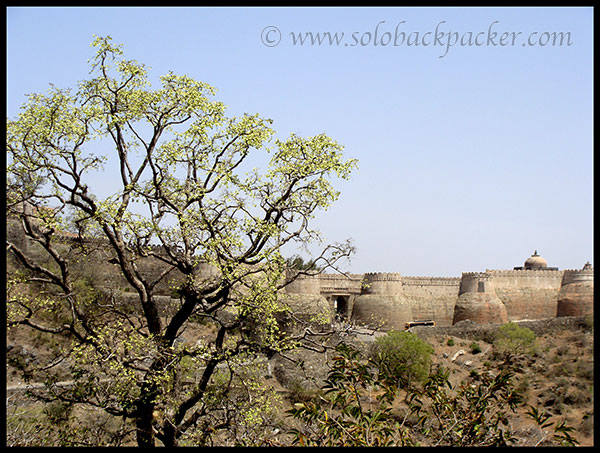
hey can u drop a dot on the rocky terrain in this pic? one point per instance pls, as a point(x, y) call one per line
point(558, 377)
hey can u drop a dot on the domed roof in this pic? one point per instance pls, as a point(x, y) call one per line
point(535, 261)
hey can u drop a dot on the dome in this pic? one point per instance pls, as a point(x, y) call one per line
point(535, 261)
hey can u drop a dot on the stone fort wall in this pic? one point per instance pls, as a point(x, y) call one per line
point(487, 297)
point(528, 294)
point(432, 297)
point(388, 297)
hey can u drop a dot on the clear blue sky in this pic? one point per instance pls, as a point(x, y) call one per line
point(470, 157)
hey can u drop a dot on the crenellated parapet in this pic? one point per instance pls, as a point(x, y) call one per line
point(430, 281)
point(475, 282)
point(382, 283)
point(352, 277)
point(383, 276)
point(340, 283)
point(524, 273)
point(577, 275)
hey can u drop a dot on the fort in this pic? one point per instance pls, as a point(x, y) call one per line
point(388, 300)
point(528, 292)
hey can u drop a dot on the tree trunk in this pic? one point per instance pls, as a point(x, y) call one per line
point(143, 423)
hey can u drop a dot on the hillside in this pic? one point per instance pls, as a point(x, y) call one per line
point(558, 377)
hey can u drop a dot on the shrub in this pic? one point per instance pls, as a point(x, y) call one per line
point(402, 358)
point(588, 322)
point(300, 393)
point(513, 340)
point(475, 348)
point(450, 342)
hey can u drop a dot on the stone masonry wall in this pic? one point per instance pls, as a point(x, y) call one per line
point(528, 294)
point(431, 298)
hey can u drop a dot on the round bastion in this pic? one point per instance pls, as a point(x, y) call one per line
point(478, 301)
point(382, 283)
point(576, 295)
point(381, 302)
point(483, 308)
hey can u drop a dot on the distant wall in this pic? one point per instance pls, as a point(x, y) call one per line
point(94, 265)
point(528, 294)
point(431, 298)
point(524, 294)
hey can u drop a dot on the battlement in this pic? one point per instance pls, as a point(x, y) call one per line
point(524, 273)
point(430, 281)
point(383, 276)
point(350, 277)
point(577, 275)
point(304, 276)
point(472, 274)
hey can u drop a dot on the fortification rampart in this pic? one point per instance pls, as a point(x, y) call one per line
point(304, 284)
point(539, 279)
point(431, 281)
point(577, 275)
point(382, 283)
point(431, 298)
point(474, 282)
point(480, 296)
point(341, 284)
point(528, 293)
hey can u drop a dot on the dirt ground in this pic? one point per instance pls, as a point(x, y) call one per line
point(558, 377)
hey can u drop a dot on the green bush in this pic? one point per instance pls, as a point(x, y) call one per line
point(513, 340)
point(402, 358)
point(450, 342)
point(475, 348)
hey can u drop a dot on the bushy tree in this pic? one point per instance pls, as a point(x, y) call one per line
point(180, 199)
point(402, 358)
point(512, 340)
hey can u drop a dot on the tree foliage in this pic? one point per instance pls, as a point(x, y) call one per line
point(180, 198)
point(358, 409)
point(344, 416)
point(296, 262)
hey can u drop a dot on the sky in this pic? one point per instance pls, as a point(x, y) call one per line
point(472, 126)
